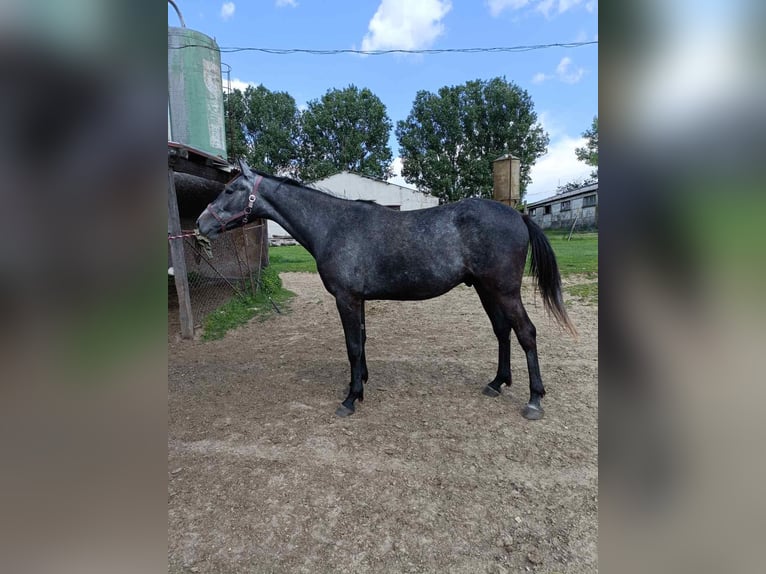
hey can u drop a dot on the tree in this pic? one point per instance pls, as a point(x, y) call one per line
point(450, 139)
point(589, 153)
point(346, 129)
point(235, 112)
point(263, 129)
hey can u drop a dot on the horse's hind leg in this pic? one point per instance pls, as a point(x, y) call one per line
point(365, 373)
point(527, 336)
point(502, 328)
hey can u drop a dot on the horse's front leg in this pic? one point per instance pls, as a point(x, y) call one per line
point(365, 372)
point(351, 312)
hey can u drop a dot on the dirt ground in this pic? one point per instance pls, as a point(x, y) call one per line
point(429, 475)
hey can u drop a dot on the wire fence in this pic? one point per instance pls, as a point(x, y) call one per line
point(232, 271)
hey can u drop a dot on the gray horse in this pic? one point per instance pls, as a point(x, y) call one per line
point(366, 251)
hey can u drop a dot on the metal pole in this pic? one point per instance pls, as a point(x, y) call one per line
point(180, 17)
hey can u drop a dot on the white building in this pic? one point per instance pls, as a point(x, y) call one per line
point(354, 186)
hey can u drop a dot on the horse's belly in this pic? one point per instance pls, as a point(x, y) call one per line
point(412, 285)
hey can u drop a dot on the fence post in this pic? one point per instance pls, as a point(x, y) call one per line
point(573, 226)
point(264, 239)
point(179, 262)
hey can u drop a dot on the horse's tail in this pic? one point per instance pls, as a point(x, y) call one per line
point(544, 268)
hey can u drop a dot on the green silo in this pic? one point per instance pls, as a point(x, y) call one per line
point(195, 94)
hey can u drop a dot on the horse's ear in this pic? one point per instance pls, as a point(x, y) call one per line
point(243, 167)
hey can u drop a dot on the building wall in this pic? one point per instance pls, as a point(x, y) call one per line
point(586, 216)
point(351, 186)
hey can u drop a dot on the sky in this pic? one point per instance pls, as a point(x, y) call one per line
point(563, 82)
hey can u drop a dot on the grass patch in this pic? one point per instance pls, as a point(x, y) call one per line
point(587, 292)
point(578, 256)
point(291, 258)
point(239, 310)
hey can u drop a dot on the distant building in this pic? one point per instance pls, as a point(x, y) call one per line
point(580, 205)
point(354, 186)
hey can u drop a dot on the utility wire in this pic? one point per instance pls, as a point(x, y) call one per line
point(286, 51)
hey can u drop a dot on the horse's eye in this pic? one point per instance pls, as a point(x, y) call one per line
point(229, 191)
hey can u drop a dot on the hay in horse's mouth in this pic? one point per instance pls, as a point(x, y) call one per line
point(203, 243)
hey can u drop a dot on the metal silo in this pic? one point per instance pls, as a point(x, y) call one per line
point(195, 94)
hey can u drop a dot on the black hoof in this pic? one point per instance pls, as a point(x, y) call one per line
point(533, 412)
point(490, 392)
point(344, 411)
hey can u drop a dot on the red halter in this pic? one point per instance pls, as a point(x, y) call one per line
point(244, 214)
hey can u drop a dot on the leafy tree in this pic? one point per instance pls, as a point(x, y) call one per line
point(450, 139)
point(346, 129)
point(235, 112)
point(263, 128)
point(589, 153)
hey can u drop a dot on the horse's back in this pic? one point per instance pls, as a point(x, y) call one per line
point(489, 215)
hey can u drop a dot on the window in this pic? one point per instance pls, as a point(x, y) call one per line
point(533, 211)
point(589, 201)
point(565, 206)
point(547, 210)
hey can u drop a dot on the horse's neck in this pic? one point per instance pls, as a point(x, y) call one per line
point(304, 213)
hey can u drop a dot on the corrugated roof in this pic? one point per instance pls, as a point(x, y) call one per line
point(573, 193)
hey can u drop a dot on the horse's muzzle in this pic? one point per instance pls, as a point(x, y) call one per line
point(207, 225)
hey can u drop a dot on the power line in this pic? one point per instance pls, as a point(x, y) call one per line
point(286, 51)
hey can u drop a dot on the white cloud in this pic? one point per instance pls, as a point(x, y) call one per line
point(552, 127)
point(566, 74)
point(283, 3)
point(227, 10)
point(565, 5)
point(545, 7)
point(406, 25)
point(558, 167)
point(497, 6)
point(237, 84)
point(396, 169)
point(582, 36)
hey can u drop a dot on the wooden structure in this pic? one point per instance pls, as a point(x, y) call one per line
point(185, 159)
point(506, 178)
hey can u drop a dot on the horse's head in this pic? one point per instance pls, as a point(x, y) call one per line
point(235, 206)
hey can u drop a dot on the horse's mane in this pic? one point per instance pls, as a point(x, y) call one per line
point(303, 185)
point(282, 179)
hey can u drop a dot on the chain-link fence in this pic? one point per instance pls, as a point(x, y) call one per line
point(233, 270)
